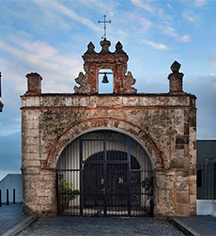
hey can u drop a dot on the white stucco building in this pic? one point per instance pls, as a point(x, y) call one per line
point(11, 182)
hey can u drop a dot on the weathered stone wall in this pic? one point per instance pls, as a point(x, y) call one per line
point(164, 123)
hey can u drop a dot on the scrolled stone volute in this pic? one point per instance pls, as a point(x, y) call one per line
point(84, 85)
point(128, 82)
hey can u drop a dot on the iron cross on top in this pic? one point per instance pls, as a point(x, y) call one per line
point(104, 21)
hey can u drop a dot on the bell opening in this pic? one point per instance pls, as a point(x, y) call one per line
point(105, 81)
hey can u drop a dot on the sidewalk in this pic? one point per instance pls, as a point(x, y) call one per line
point(13, 221)
point(196, 225)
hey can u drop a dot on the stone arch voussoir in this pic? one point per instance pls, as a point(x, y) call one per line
point(121, 125)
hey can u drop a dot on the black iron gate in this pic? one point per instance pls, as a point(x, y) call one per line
point(108, 174)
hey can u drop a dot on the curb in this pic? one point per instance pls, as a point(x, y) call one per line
point(182, 226)
point(21, 226)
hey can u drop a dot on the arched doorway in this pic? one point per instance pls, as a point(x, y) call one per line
point(105, 172)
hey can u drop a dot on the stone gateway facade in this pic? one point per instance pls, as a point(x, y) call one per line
point(162, 125)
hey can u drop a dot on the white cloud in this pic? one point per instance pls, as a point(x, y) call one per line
point(190, 16)
point(45, 51)
point(169, 6)
point(144, 5)
point(185, 38)
point(156, 45)
point(9, 128)
point(170, 31)
point(109, 8)
point(42, 49)
point(56, 68)
point(200, 3)
point(213, 60)
point(146, 24)
point(69, 13)
point(37, 51)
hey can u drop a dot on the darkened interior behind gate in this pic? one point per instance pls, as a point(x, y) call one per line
point(104, 173)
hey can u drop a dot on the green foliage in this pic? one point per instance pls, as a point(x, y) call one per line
point(147, 183)
point(67, 191)
point(55, 132)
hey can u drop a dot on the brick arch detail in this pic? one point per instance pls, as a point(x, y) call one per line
point(155, 154)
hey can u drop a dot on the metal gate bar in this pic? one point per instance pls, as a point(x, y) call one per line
point(108, 178)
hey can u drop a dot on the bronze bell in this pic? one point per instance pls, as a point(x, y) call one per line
point(105, 79)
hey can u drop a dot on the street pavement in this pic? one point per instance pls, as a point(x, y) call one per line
point(65, 225)
point(14, 222)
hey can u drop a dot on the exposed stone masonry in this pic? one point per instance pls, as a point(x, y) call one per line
point(116, 61)
point(34, 83)
point(165, 124)
point(175, 78)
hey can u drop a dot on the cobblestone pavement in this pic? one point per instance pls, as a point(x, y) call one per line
point(63, 225)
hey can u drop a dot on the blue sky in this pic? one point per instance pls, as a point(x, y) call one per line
point(49, 37)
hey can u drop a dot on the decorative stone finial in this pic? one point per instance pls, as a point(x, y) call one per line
point(34, 83)
point(175, 67)
point(175, 79)
point(90, 49)
point(105, 46)
point(119, 48)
